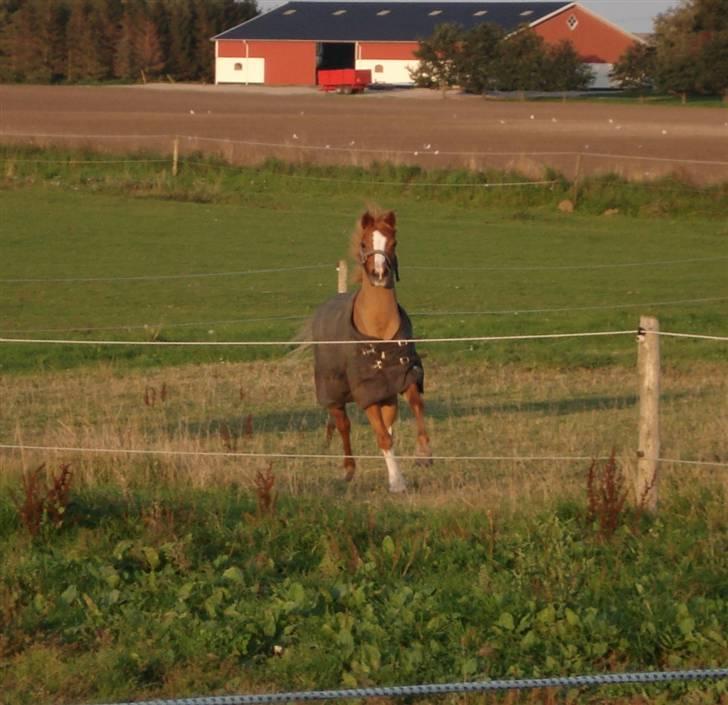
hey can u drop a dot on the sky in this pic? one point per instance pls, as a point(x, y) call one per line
point(632, 15)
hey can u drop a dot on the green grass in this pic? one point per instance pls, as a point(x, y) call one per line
point(473, 262)
point(165, 578)
point(161, 595)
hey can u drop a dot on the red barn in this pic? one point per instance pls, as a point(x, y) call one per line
point(288, 45)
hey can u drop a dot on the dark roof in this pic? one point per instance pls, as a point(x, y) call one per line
point(383, 21)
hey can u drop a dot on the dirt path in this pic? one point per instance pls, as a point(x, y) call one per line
point(406, 126)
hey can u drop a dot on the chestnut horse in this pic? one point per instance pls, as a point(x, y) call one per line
point(381, 364)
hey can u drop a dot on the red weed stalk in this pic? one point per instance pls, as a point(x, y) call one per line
point(40, 504)
point(606, 496)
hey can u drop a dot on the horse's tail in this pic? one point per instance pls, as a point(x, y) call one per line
point(302, 338)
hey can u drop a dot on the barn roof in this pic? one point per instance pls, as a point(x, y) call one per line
point(383, 21)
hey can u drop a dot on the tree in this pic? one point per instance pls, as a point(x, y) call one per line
point(635, 69)
point(477, 58)
point(521, 61)
point(34, 41)
point(564, 70)
point(678, 51)
point(89, 41)
point(439, 58)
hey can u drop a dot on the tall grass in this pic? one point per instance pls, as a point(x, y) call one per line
point(205, 179)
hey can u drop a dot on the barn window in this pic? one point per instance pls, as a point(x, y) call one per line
point(379, 68)
point(381, 13)
point(480, 13)
point(238, 67)
point(526, 13)
point(289, 12)
point(434, 12)
point(572, 22)
point(339, 12)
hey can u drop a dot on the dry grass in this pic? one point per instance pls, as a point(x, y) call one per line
point(268, 407)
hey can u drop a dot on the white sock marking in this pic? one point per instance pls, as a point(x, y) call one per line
point(396, 480)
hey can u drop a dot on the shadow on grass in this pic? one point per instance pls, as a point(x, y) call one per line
point(314, 419)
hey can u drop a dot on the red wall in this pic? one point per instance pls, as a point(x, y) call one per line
point(286, 63)
point(387, 50)
point(595, 41)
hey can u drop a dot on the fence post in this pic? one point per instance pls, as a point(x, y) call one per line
point(648, 362)
point(175, 156)
point(577, 177)
point(343, 270)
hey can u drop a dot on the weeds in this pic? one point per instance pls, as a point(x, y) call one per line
point(264, 483)
point(44, 505)
point(606, 496)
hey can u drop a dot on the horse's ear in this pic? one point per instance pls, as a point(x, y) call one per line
point(367, 220)
point(390, 219)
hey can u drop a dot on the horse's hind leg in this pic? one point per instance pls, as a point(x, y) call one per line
point(414, 399)
point(343, 425)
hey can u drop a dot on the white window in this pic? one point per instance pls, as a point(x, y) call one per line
point(572, 22)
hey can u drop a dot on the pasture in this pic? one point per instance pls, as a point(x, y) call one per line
point(178, 574)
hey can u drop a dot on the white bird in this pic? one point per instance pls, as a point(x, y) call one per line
point(610, 121)
point(664, 132)
point(532, 117)
point(427, 146)
point(192, 112)
point(295, 136)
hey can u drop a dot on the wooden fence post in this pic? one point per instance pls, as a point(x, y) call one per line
point(343, 270)
point(577, 177)
point(648, 452)
point(175, 156)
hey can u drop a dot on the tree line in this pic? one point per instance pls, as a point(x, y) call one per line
point(55, 41)
point(484, 58)
point(687, 54)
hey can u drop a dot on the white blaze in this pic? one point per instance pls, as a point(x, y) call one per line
point(379, 242)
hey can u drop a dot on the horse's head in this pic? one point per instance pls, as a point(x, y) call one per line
point(377, 248)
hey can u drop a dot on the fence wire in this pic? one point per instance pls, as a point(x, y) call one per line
point(401, 691)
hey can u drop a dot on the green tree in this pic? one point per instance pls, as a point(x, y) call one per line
point(89, 41)
point(439, 58)
point(677, 52)
point(521, 62)
point(34, 41)
point(564, 69)
point(635, 69)
point(477, 58)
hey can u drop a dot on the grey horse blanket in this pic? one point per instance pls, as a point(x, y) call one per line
point(369, 373)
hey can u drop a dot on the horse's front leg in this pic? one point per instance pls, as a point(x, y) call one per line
point(416, 403)
point(381, 417)
point(343, 426)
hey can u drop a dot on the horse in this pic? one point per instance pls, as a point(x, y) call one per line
point(381, 364)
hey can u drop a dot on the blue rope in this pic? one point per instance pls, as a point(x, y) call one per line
point(443, 688)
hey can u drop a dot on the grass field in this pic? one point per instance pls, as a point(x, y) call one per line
point(171, 575)
point(143, 267)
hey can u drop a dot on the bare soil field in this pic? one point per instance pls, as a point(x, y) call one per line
point(248, 124)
